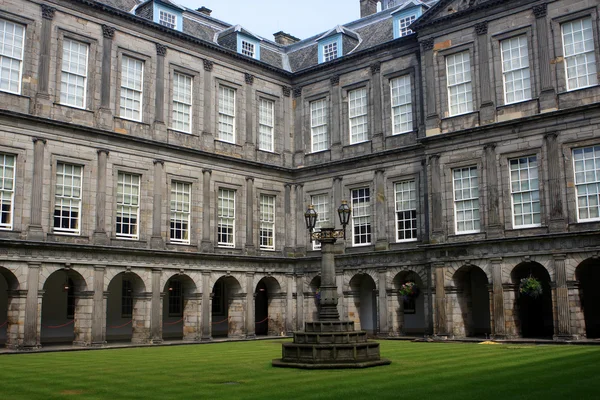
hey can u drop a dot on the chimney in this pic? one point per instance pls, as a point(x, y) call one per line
point(368, 7)
point(285, 39)
point(204, 10)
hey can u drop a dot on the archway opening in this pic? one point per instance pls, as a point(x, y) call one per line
point(535, 316)
point(409, 311)
point(471, 314)
point(180, 308)
point(8, 283)
point(124, 316)
point(313, 297)
point(227, 308)
point(269, 308)
point(588, 276)
point(364, 293)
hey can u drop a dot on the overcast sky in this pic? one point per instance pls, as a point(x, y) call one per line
point(301, 18)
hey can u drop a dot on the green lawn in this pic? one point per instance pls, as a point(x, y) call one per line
point(243, 370)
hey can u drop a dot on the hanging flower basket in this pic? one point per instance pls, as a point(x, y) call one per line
point(318, 295)
point(531, 287)
point(409, 290)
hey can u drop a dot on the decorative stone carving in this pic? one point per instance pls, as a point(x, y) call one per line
point(108, 31)
point(297, 92)
point(287, 91)
point(427, 44)
point(161, 49)
point(48, 12)
point(540, 10)
point(249, 78)
point(208, 65)
point(335, 80)
point(375, 68)
point(481, 28)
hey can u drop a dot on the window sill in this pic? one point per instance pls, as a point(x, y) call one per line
point(450, 117)
point(579, 89)
point(84, 109)
point(518, 103)
point(123, 119)
point(358, 143)
point(181, 132)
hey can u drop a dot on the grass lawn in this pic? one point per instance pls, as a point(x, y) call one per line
point(242, 370)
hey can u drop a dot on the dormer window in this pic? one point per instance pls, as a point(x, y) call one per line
point(403, 24)
point(167, 19)
point(330, 51)
point(330, 48)
point(404, 17)
point(247, 48)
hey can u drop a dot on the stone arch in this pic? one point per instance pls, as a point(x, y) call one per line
point(311, 298)
point(350, 275)
point(362, 302)
point(9, 311)
point(416, 269)
point(587, 276)
point(269, 307)
point(228, 307)
point(144, 275)
point(180, 305)
point(408, 314)
point(470, 302)
point(452, 268)
point(127, 308)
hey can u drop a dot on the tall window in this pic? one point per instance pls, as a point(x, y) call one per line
point(586, 164)
point(180, 212)
point(266, 124)
point(126, 299)
point(167, 19)
point(404, 23)
point(67, 200)
point(128, 205)
point(226, 218)
point(406, 211)
point(466, 200)
point(580, 60)
point(515, 69)
point(321, 204)
point(74, 73)
point(318, 125)
point(361, 216)
point(132, 74)
point(401, 104)
point(460, 94)
point(7, 190)
point(525, 192)
point(357, 111)
point(330, 51)
point(248, 49)
point(267, 222)
point(182, 102)
point(175, 298)
point(226, 114)
point(12, 38)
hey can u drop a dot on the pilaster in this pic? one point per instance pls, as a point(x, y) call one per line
point(377, 139)
point(437, 228)
point(562, 324)
point(432, 119)
point(299, 301)
point(383, 302)
point(300, 224)
point(250, 140)
point(160, 129)
point(441, 320)
point(547, 97)
point(555, 163)
point(250, 248)
point(336, 118)
point(289, 303)
point(43, 103)
point(250, 317)
point(487, 111)
point(380, 234)
point(498, 299)
point(100, 237)
point(32, 308)
point(156, 305)
point(290, 221)
point(206, 335)
point(494, 228)
point(98, 308)
point(157, 241)
point(206, 246)
point(105, 113)
point(35, 230)
point(209, 105)
point(298, 107)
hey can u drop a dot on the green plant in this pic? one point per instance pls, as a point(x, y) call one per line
point(530, 286)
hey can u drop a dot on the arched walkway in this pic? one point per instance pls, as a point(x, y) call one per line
point(8, 322)
point(313, 299)
point(125, 309)
point(471, 305)
point(534, 315)
point(408, 314)
point(363, 307)
point(180, 309)
point(66, 315)
point(227, 308)
point(269, 307)
point(588, 277)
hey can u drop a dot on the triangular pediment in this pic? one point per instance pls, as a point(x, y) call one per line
point(447, 8)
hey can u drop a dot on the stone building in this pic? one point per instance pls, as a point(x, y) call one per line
point(155, 164)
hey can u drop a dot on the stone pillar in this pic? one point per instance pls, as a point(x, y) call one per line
point(554, 165)
point(192, 315)
point(156, 305)
point(299, 301)
point(33, 310)
point(498, 299)
point(289, 304)
point(329, 296)
point(437, 227)
point(441, 320)
point(157, 241)
point(250, 142)
point(141, 318)
point(376, 109)
point(336, 119)
point(432, 119)
point(380, 233)
point(35, 230)
point(487, 111)
point(209, 105)
point(298, 106)
point(287, 126)
point(105, 112)
point(206, 245)
point(300, 223)
point(250, 298)
point(547, 98)
point(160, 130)
point(98, 308)
point(383, 302)
point(250, 248)
point(562, 324)
point(84, 302)
point(290, 221)
point(206, 308)
point(100, 237)
point(494, 228)
point(339, 281)
point(45, 46)
point(15, 317)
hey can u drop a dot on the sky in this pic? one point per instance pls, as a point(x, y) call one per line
point(300, 18)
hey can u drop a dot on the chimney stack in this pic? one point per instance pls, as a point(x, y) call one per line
point(368, 7)
point(204, 10)
point(285, 39)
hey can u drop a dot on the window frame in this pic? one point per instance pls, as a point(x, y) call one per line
point(22, 59)
point(575, 184)
point(233, 218)
point(527, 156)
point(88, 45)
point(166, 23)
point(365, 115)
point(330, 41)
point(525, 36)
point(410, 123)
point(219, 113)
point(402, 15)
point(262, 99)
point(139, 206)
point(3, 156)
point(454, 201)
point(396, 210)
point(123, 56)
point(190, 122)
point(594, 51)
point(241, 39)
point(173, 240)
point(272, 224)
point(325, 124)
point(446, 56)
point(353, 217)
point(68, 231)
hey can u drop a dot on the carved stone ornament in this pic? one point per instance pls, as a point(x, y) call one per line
point(287, 91)
point(540, 10)
point(208, 65)
point(48, 12)
point(335, 80)
point(427, 44)
point(108, 31)
point(249, 78)
point(297, 92)
point(376, 68)
point(161, 49)
point(481, 28)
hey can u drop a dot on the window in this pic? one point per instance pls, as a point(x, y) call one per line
point(357, 111)
point(247, 48)
point(7, 190)
point(126, 299)
point(320, 203)
point(128, 205)
point(401, 105)
point(266, 124)
point(180, 212)
point(586, 164)
point(226, 218)
point(182, 102)
point(330, 51)
point(267, 222)
point(515, 69)
point(226, 114)
point(318, 126)
point(525, 192)
point(73, 77)
point(404, 23)
point(12, 38)
point(361, 216)
point(132, 74)
point(67, 199)
point(466, 200)
point(458, 72)
point(580, 60)
point(167, 19)
point(175, 298)
point(406, 211)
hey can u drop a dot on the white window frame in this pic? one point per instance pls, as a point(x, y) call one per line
point(319, 126)
point(165, 17)
point(68, 203)
point(7, 53)
point(330, 51)
point(248, 48)
point(401, 104)
point(226, 114)
point(461, 80)
point(266, 125)
point(513, 67)
point(180, 212)
point(183, 89)
point(405, 198)
point(575, 57)
point(7, 189)
point(361, 216)
point(128, 90)
point(590, 174)
point(358, 115)
point(474, 199)
point(267, 222)
point(520, 188)
point(404, 23)
point(130, 208)
point(67, 76)
point(226, 221)
point(320, 202)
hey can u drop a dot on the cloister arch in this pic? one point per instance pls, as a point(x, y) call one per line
point(269, 305)
point(471, 315)
point(127, 309)
point(312, 299)
point(408, 314)
point(180, 316)
point(362, 302)
point(534, 315)
point(587, 275)
point(227, 308)
point(8, 318)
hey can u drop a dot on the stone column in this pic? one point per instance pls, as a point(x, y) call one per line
point(141, 318)
point(376, 109)
point(105, 112)
point(498, 299)
point(290, 221)
point(437, 227)
point(554, 165)
point(250, 248)
point(383, 303)
point(82, 327)
point(250, 317)
point(336, 118)
point(206, 308)
point(33, 310)
point(289, 304)
point(339, 281)
point(432, 119)
point(156, 305)
point(160, 130)
point(441, 320)
point(547, 98)
point(100, 237)
point(209, 105)
point(300, 224)
point(562, 324)
point(487, 111)
point(206, 246)
point(380, 231)
point(494, 228)
point(288, 160)
point(250, 142)
point(35, 230)
point(299, 301)
point(298, 106)
point(329, 295)
point(45, 46)
point(157, 241)
point(98, 308)
point(15, 317)
point(192, 315)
